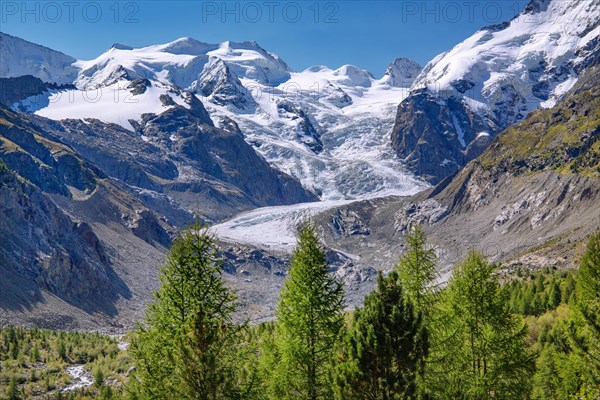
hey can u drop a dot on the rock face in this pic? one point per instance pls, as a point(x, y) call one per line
point(33, 225)
point(13, 90)
point(181, 155)
point(432, 137)
point(45, 246)
point(146, 226)
point(306, 131)
point(77, 250)
point(347, 223)
point(218, 84)
point(88, 208)
point(402, 72)
point(493, 80)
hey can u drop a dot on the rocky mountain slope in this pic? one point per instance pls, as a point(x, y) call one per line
point(89, 209)
point(493, 79)
point(527, 200)
point(178, 161)
point(66, 230)
point(41, 62)
point(101, 161)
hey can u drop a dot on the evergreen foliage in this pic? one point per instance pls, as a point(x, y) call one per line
point(186, 349)
point(416, 269)
point(484, 353)
point(309, 322)
point(384, 350)
point(534, 335)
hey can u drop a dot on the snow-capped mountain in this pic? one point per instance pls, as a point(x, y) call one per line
point(19, 57)
point(402, 72)
point(492, 80)
point(181, 63)
point(329, 128)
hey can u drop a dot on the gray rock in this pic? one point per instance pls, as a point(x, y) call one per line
point(347, 223)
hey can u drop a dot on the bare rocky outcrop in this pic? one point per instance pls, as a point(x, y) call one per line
point(89, 209)
point(347, 223)
point(180, 154)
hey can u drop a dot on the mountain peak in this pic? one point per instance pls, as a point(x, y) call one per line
point(21, 57)
point(402, 72)
point(354, 75)
point(119, 46)
point(187, 45)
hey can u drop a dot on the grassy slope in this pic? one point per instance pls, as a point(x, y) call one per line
point(565, 138)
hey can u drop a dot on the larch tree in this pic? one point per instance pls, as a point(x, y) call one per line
point(309, 322)
point(585, 330)
point(185, 347)
point(417, 269)
point(482, 352)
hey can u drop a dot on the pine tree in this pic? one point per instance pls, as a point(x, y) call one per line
point(416, 269)
point(554, 296)
point(483, 353)
point(384, 350)
point(416, 274)
point(588, 279)
point(99, 378)
point(191, 315)
point(309, 323)
point(35, 354)
point(13, 390)
point(539, 283)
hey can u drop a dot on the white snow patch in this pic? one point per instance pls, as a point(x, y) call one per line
point(459, 131)
point(111, 104)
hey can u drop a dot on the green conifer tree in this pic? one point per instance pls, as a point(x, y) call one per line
point(585, 332)
point(483, 353)
point(310, 318)
point(554, 295)
point(384, 350)
point(183, 349)
point(416, 269)
point(547, 378)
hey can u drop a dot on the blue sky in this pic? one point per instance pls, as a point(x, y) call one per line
point(369, 34)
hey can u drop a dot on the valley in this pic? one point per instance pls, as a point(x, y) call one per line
point(129, 147)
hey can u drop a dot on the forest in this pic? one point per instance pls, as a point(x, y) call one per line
point(484, 334)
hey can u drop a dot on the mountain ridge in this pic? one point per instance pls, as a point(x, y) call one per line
point(494, 79)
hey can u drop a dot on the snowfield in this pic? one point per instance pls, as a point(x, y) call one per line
point(541, 45)
point(112, 104)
